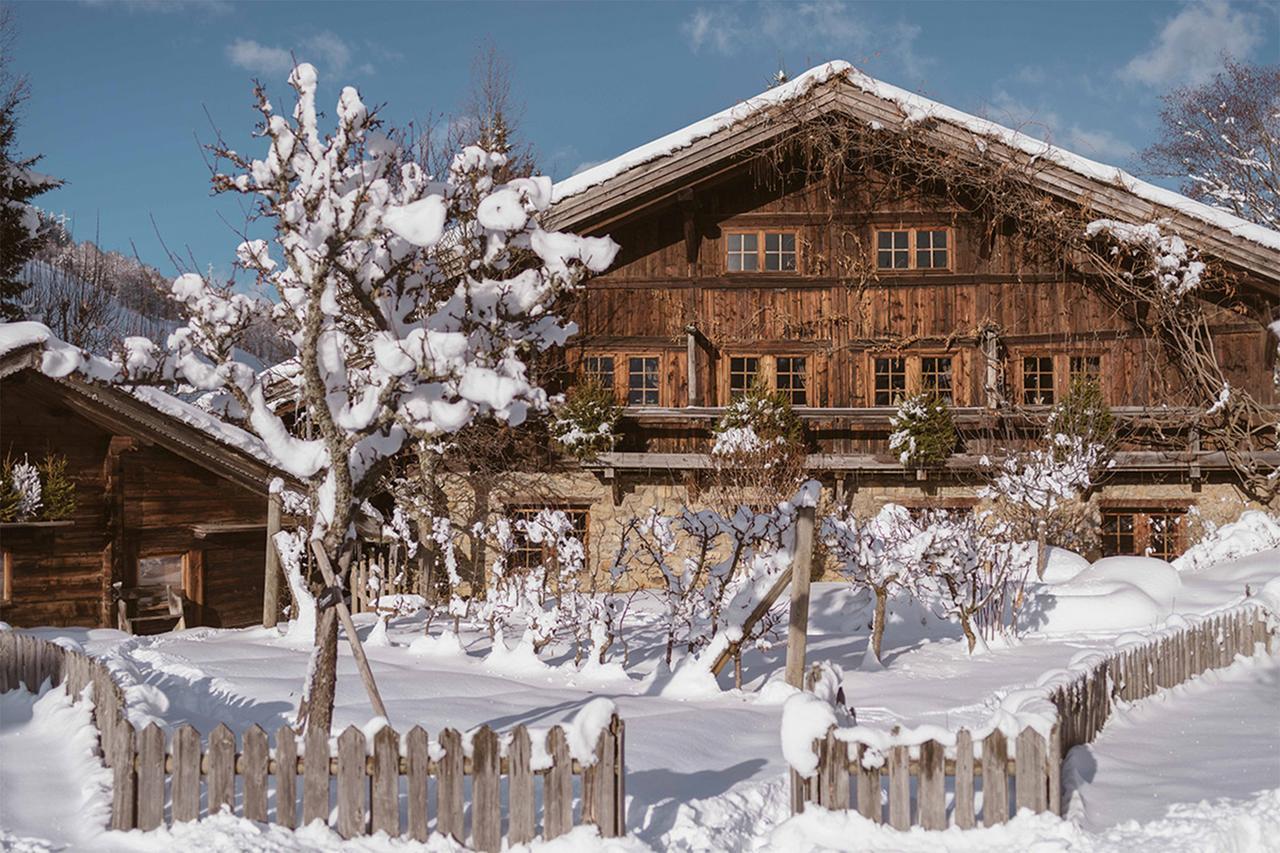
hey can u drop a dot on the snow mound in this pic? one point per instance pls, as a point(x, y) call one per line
point(1254, 531)
point(1114, 594)
point(1063, 565)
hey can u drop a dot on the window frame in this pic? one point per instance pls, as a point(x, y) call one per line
point(913, 232)
point(806, 378)
point(657, 389)
point(758, 376)
point(588, 374)
point(762, 235)
point(913, 372)
point(1141, 515)
point(766, 374)
point(1062, 373)
point(1055, 374)
point(518, 512)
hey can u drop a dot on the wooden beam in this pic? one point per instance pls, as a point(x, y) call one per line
point(344, 615)
point(271, 571)
point(204, 531)
point(801, 570)
point(691, 365)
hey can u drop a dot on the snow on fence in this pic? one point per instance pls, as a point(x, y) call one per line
point(980, 772)
point(382, 570)
point(364, 777)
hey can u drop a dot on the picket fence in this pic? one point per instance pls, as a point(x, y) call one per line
point(156, 782)
point(1032, 778)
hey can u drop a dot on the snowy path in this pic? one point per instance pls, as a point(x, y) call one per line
point(1215, 737)
point(53, 789)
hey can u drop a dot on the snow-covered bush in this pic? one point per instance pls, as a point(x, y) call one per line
point(757, 451)
point(1254, 531)
point(36, 491)
point(1162, 258)
point(412, 301)
point(586, 424)
point(924, 432)
point(1083, 412)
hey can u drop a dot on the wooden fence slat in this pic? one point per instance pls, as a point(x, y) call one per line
point(591, 789)
point(254, 773)
point(417, 745)
point(964, 811)
point(222, 769)
point(124, 792)
point(315, 777)
point(1053, 769)
point(834, 784)
point(151, 777)
point(521, 829)
point(995, 790)
point(353, 783)
point(1029, 766)
point(899, 788)
point(186, 774)
point(486, 792)
point(608, 810)
point(286, 777)
point(620, 775)
point(931, 790)
point(868, 786)
point(557, 792)
point(384, 793)
point(449, 787)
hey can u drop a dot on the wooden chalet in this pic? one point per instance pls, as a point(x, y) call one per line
point(732, 273)
point(171, 506)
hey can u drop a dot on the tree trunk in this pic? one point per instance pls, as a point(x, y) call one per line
point(877, 623)
point(324, 679)
point(965, 626)
point(1042, 551)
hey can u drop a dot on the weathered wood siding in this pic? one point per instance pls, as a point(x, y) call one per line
point(62, 575)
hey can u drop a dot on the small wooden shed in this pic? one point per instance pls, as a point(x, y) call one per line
point(171, 507)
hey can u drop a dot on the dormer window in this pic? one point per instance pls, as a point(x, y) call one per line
point(913, 249)
point(761, 251)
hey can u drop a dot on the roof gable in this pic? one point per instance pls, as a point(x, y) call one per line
point(658, 170)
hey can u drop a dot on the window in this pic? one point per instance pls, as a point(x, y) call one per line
point(1037, 380)
point(527, 554)
point(753, 251)
point(935, 376)
point(913, 249)
point(791, 378)
point(1117, 533)
point(743, 371)
point(743, 253)
point(891, 380)
point(598, 369)
point(642, 381)
point(1085, 367)
point(1149, 531)
point(779, 252)
point(931, 250)
point(161, 571)
point(893, 250)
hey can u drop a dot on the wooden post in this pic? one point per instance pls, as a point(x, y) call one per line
point(353, 783)
point(486, 792)
point(868, 788)
point(150, 778)
point(1053, 768)
point(801, 569)
point(315, 778)
point(385, 792)
point(417, 744)
point(964, 780)
point(691, 365)
point(286, 777)
point(271, 576)
point(449, 787)
point(995, 783)
point(931, 788)
point(186, 774)
point(124, 788)
point(557, 791)
point(357, 650)
point(255, 773)
point(899, 788)
point(834, 785)
point(222, 769)
point(520, 787)
point(1029, 767)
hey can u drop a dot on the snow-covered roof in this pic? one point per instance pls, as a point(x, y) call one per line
point(60, 360)
point(916, 108)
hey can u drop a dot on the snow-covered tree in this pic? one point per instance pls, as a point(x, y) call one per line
point(20, 232)
point(1223, 139)
point(411, 300)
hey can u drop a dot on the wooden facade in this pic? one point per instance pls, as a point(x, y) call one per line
point(158, 503)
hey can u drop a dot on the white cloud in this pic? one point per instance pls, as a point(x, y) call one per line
point(326, 50)
point(1191, 44)
point(828, 25)
point(211, 6)
point(582, 167)
point(1098, 144)
point(1046, 124)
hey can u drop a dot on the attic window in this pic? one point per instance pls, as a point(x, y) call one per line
point(755, 251)
point(913, 249)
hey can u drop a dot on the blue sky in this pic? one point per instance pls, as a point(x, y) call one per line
point(124, 92)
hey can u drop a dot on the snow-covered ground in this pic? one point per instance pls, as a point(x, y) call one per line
point(706, 771)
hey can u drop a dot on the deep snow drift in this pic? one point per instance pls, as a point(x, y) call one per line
point(706, 772)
